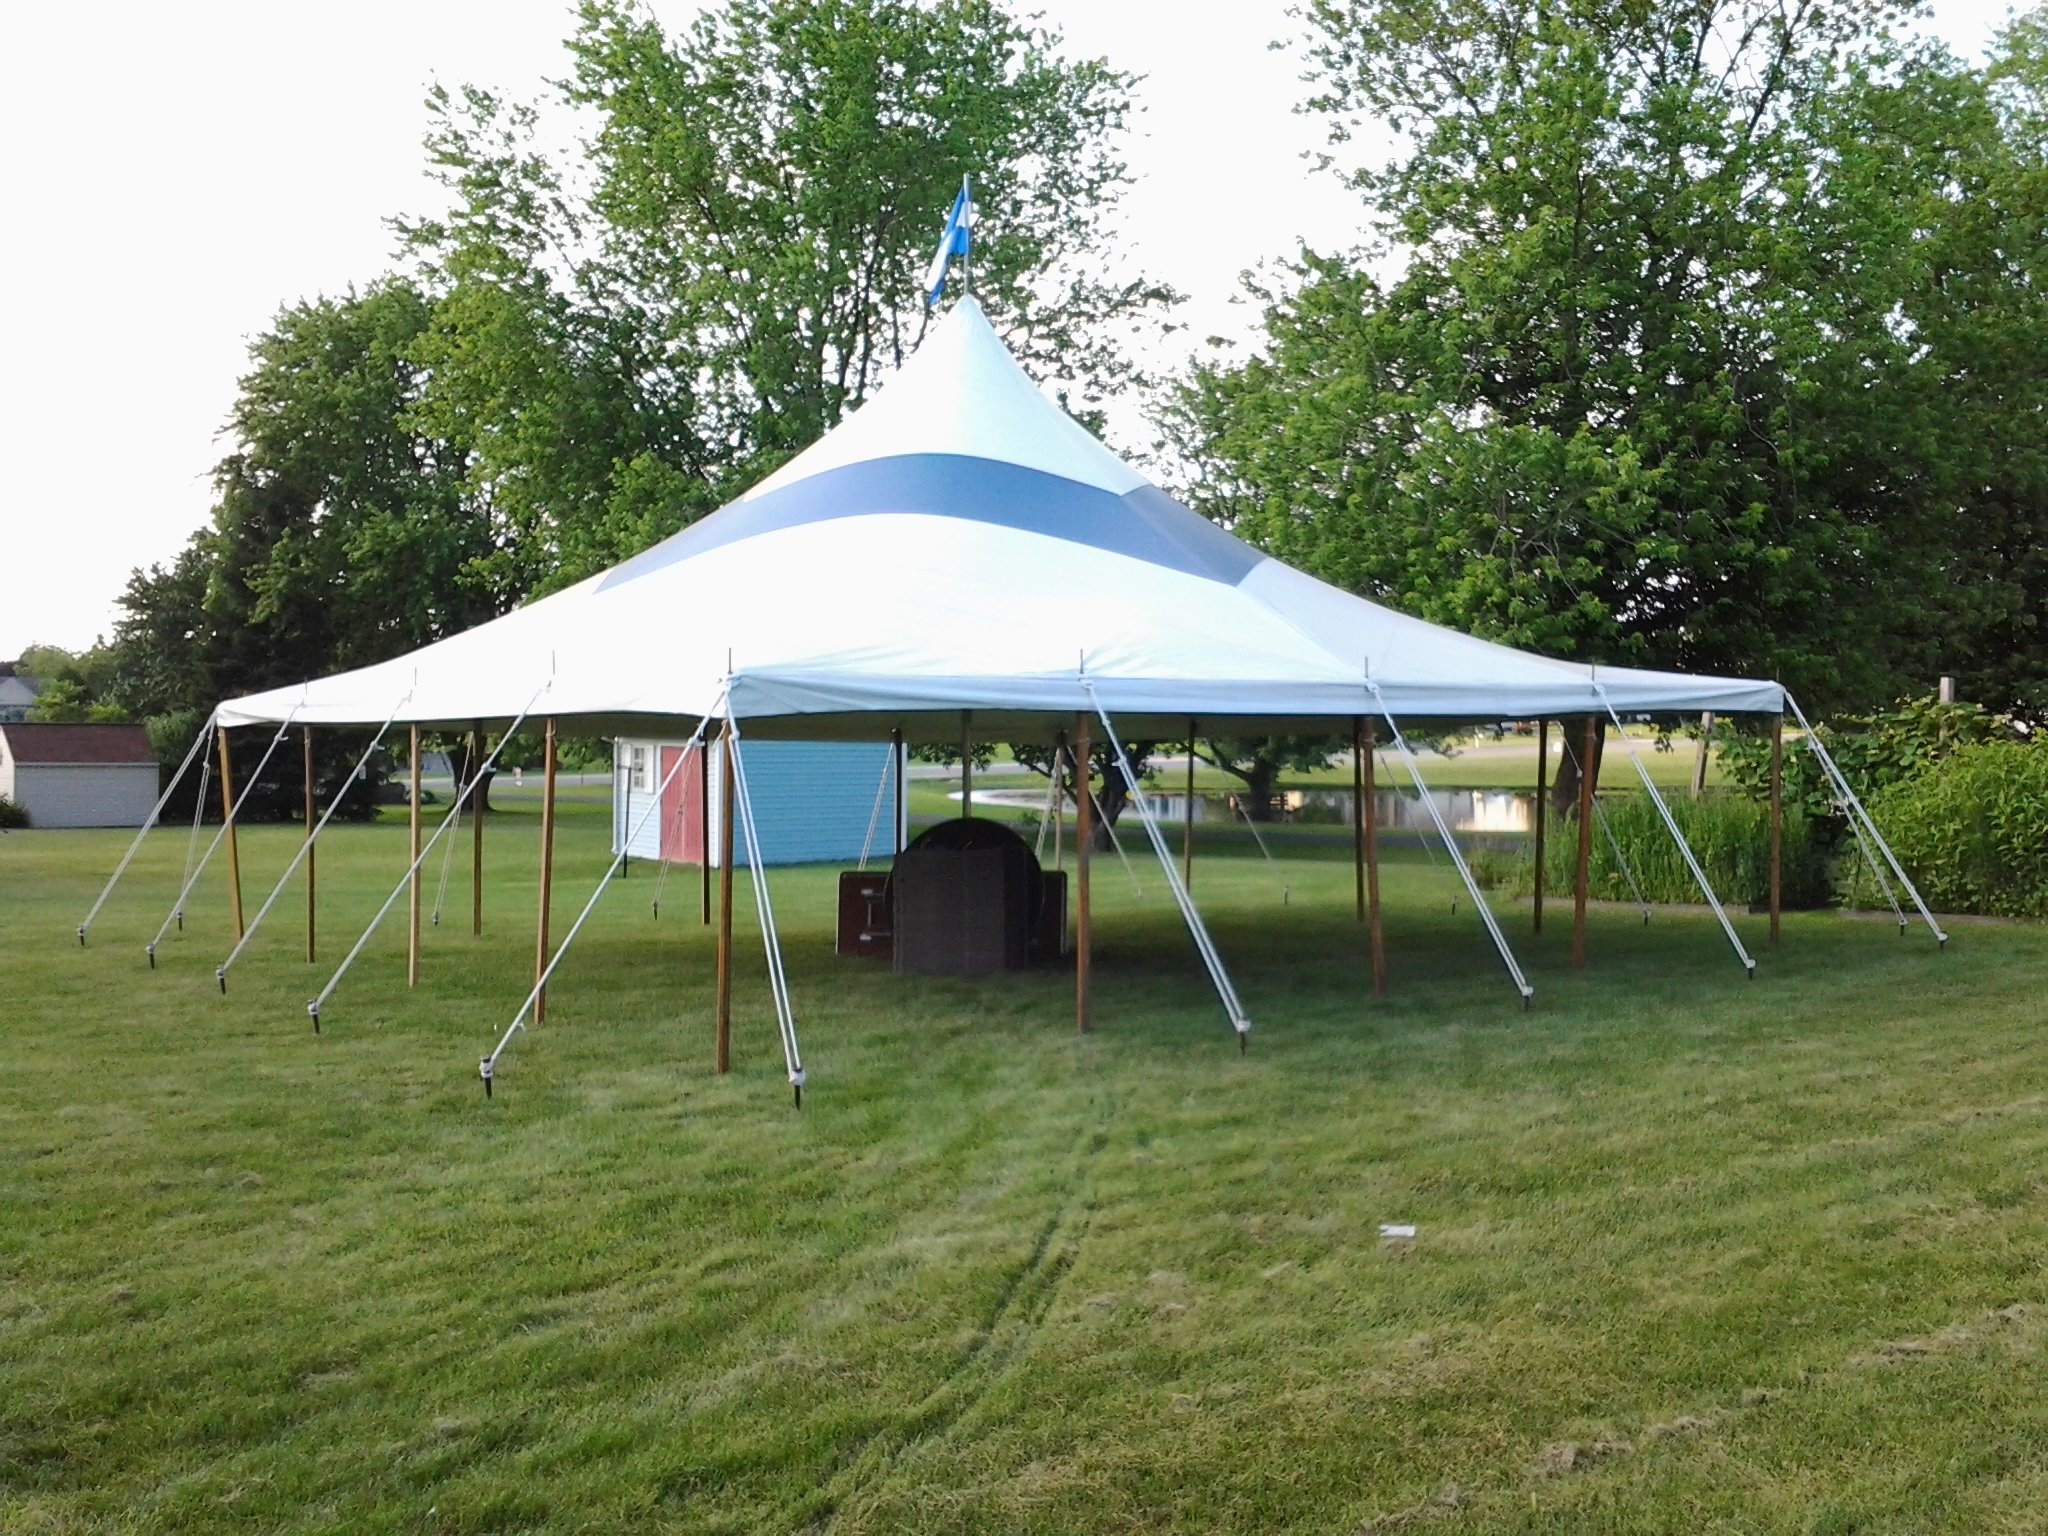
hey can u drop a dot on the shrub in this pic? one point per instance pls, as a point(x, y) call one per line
point(1730, 836)
point(1971, 829)
point(12, 816)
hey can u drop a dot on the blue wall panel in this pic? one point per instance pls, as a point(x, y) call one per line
point(811, 799)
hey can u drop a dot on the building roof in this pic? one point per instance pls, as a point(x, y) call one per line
point(40, 743)
point(16, 689)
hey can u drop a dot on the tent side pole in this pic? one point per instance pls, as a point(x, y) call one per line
point(412, 895)
point(721, 1056)
point(547, 871)
point(704, 830)
point(227, 812)
point(476, 839)
point(1369, 800)
point(1358, 811)
point(1581, 870)
point(1542, 815)
point(1084, 804)
point(1777, 822)
point(1187, 835)
point(312, 873)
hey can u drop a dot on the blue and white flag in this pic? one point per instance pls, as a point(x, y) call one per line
point(952, 243)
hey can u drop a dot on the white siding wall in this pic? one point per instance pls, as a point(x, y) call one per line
point(85, 794)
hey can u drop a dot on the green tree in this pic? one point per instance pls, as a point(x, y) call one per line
point(626, 340)
point(1258, 761)
point(1653, 361)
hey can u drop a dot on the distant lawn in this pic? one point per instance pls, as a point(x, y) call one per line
point(1694, 1254)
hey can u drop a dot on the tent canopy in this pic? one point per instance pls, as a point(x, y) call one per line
point(960, 544)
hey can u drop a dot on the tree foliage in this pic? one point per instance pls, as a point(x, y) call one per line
point(1706, 336)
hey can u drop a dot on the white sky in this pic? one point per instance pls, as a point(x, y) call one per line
point(176, 172)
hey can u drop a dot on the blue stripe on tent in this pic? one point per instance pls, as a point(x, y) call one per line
point(1146, 524)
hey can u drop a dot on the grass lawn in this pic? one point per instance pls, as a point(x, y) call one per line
point(1693, 1254)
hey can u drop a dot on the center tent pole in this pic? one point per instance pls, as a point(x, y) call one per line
point(721, 1054)
point(312, 874)
point(1581, 870)
point(1084, 834)
point(1542, 814)
point(1376, 935)
point(1358, 810)
point(547, 872)
point(476, 840)
point(227, 816)
point(412, 915)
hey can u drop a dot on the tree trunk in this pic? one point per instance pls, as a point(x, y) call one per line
point(1258, 789)
point(465, 766)
point(1564, 793)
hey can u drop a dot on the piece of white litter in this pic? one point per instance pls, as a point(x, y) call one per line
point(1396, 1229)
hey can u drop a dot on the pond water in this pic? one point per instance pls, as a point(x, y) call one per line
point(1463, 810)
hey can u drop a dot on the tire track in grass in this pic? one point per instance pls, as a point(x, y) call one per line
point(1007, 1336)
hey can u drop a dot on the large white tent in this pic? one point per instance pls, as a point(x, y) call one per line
point(959, 543)
point(959, 560)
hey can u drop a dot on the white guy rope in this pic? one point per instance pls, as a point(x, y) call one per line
point(778, 980)
point(1877, 875)
point(1671, 825)
point(660, 857)
point(1500, 940)
point(1614, 847)
point(305, 848)
point(227, 821)
point(199, 741)
point(487, 1068)
point(1204, 946)
point(1827, 762)
point(1052, 809)
point(867, 844)
point(313, 1007)
point(447, 863)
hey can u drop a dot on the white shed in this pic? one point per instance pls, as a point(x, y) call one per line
point(817, 802)
point(78, 775)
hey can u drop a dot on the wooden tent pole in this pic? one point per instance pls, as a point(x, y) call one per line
point(704, 826)
point(476, 834)
point(1777, 823)
point(227, 812)
point(306, 742)
point(1580, 873)
point(1542, 813)
point(1358, 817)
point(1376, 936)
point(547, 868)
point(412, 898)
point(1084, 832)
point(1187, 835)
point(722, 1047)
